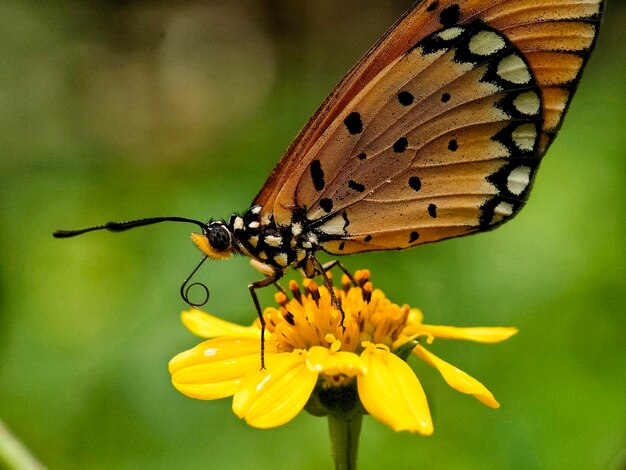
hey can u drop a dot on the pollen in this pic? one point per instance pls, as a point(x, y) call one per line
point(310, 319)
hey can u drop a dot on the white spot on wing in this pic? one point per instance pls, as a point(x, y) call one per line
point(450, 33)
point(296, 228)
point(238, 225)
point(486, 43)
point(513, 69)
point(253, 225)
point(502, 210)
point(256, 209)
point(334, 226)
point(524, 137)
point(518, 180)
point(527, 103)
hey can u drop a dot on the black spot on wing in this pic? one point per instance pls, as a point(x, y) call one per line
point(450, 16)
point(415, 183)
point(445, 97)
point(433, 6)
point(358, 187)
point(326, 204)
point(367, 239)
point(342, 245)
point(317, 174)
point(362, 156)
point(406, 98)
point(353, 123)
point(432, 211)
point(401, 145)
point(453, 145)
point(414, 237)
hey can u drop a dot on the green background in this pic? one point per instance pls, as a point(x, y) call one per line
point(119, 110)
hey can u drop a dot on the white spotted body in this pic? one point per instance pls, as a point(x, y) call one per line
point(275, 246)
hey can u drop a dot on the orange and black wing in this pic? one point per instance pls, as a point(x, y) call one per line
point(439, 129)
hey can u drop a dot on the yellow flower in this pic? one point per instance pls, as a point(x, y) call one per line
point(312, 360)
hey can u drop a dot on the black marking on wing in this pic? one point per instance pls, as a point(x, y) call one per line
point(450, 16)
point(401, 145)
point(353, 123)
point(317, 174)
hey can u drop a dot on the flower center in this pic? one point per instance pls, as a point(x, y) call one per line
point(310, 319)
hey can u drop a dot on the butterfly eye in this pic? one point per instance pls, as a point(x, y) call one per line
point(219, 237)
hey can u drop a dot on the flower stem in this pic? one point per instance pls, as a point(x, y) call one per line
point(14, 454)
point(344, 429)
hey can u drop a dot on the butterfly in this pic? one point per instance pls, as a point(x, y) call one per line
point(437, 132)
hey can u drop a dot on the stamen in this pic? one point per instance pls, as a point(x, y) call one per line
point(281, 298)
point(315, 292)
point(367, 288)
point(295, 290)
point(289, 318)
point(330, 338)
point(346, 283)
point(361, 277)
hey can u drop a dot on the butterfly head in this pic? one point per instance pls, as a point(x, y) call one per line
point(215, 241)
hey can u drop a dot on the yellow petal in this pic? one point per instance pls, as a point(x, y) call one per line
point(275, 395)
point(209, 391)
point(479, 334)
point(392, 393)
point(415, 317)
point(324, 361)
point(458, 379)
point(207, 326)
point(214, 368)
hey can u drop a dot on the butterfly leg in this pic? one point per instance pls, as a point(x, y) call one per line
point(280, 288)
point(336, 263)
point(320, 269)
point(268, 281)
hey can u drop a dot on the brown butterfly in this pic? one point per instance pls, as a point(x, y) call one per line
point(437, 132)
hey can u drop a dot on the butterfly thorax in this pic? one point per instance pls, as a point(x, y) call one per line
point(261, 238)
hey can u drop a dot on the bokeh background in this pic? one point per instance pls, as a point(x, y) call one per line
point(124, 109)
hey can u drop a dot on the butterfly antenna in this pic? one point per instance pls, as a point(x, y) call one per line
point(122, 226)
point(185, 287)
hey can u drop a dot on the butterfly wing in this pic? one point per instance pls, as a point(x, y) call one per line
point(438, 131)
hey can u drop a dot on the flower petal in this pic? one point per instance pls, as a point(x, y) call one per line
point(208, 326)
point(392, 393)
point(416, 316)
point(273, 396)
point(479, 334)
point(324, 361)
point(214, 368)
point(458, 379)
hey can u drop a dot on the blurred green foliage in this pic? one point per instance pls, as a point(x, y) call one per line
point(118, 110)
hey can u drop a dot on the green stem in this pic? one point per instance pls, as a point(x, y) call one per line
point(13, 454)
point(344, 429)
